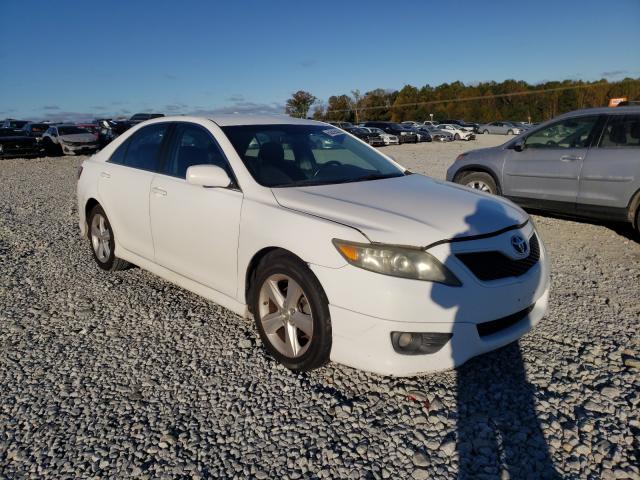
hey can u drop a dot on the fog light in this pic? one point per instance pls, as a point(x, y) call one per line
point(419, 343)
point(404, 339)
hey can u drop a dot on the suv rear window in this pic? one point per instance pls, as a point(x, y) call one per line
point(621, 131)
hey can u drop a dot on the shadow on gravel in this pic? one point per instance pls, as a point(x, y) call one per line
point(498, 432)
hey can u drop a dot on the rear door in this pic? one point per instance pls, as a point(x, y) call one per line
point(610, 172)
point(545, 173)
point(195, 229)
point(124, 184)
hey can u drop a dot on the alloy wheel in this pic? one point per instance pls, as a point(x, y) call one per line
point(285, 314)
point(479, 185)
point(100, 237)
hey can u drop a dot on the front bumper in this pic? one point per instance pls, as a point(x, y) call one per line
point(79, 149)
point(366, 307)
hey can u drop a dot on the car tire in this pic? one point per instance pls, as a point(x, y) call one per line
point(286, 324)
point(480, 181)
point(456, 136)
point(486, 132)
point(102, 241)
point(509, 132)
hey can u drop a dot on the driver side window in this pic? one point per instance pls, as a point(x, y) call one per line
point(569, 133)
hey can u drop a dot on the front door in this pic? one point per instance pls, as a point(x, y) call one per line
point(195, 229)
point(545, 173)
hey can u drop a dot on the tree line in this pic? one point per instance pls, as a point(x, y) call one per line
point(484, 102)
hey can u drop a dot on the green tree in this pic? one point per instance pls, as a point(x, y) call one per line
point(299, 104)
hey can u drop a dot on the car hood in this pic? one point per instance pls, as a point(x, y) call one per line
point(79, 137)
point(408, 210)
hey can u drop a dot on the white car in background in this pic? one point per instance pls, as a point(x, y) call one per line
point(386, 137)
point(457, 131)
point(335, 250)
point(69, 140)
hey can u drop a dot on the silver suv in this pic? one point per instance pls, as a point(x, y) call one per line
point(584, 163)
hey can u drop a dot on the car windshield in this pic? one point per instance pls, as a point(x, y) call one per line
point(71, 130)
point(17, 123)
point(304, 155)
point(39, 127)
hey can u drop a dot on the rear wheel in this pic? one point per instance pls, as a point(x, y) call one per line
point(291, 312)
point(102, 241)
point(480, 181)
point(456, 136)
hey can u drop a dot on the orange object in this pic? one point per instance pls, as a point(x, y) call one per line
point(350, 252)
point(614, 102)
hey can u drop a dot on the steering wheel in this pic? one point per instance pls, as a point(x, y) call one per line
point(330, 163)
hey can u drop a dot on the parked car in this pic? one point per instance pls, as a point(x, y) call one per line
point(430, 123)
point(457, 131)
point(425, 133)
point(501, 128)
point(67, 139)
point(14, 143)
point(439, 135)
point(584, 163)
point(141, 117)
point(331, 251)
point(371, 138)
point(387, 138)
point(35, 130)
point(13, 123)
point(404, 135)
point(410, 123)
point(472, 127)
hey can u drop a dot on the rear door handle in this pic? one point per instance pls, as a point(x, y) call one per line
point(105, 175)
point(159, 191)
point(570, 158)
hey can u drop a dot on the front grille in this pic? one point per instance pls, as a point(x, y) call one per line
point(494, 326)
point(495, 265)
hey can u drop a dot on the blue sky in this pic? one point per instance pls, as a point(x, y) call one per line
point(120, 57)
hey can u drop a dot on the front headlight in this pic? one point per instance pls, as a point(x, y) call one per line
point(396, 261)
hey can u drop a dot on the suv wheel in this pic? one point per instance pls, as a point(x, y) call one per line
point(291, 312)
point(480, 181)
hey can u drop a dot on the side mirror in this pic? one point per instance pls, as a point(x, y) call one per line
point(208, 176)
point(519, 146)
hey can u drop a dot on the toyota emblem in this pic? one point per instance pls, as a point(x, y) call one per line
point(519, 244)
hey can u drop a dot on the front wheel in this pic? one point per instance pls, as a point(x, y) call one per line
point(480, 181)
point(486, 132)
point(510, 132)
point(456, 136)
point(291, 312)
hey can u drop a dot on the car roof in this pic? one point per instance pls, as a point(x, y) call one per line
point(602, 111)
point(233, 119)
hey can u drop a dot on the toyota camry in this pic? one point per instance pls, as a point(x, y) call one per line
point(336, 251)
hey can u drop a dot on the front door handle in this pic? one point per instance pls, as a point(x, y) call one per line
point(105, 175)
point(159, 191)
point(570, 158)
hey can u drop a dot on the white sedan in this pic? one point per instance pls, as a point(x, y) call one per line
point(335, 250)
point(457, 131)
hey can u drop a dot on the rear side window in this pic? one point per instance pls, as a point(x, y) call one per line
point(193, 145)
point(621, 131)
point(142, 150)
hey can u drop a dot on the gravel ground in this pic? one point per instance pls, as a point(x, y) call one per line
point(125, 375)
